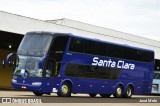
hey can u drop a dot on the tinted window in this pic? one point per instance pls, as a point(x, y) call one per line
point(90, 47)
point(116, 51)
point(58, 47)
point(129, 53)
point(77, 45)
point(103, 49)
point(83, 46)
point(138, 55)
point(110, 50)
point(88, 71)
point(148, 56)
point(35, 44)
point(157, 65)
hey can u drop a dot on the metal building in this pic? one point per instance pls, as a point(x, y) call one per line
point(13, 27)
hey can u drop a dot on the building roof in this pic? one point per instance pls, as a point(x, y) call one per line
point(103, 31)
point(20, 24)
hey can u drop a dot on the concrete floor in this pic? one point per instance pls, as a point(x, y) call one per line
point(83, 100)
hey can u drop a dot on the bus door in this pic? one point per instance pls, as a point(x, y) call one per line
point(55, 56)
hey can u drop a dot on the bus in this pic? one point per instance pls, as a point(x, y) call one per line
point(156, 78)
point(64, 63)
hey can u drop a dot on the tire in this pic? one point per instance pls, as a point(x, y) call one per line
point(128, 92)
point(38, 94)
point(105, 95)
point(119, 92)
point(65, 90)
point(92, 95)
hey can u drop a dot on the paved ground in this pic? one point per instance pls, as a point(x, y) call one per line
point(76, 100)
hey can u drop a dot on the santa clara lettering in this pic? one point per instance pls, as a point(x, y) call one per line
point(109, 63)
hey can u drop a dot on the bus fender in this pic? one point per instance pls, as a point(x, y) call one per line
point(65, 80)
point(119, 83)
point(129, 84)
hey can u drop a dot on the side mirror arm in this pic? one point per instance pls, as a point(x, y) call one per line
point(9, 56)
point(42, 61)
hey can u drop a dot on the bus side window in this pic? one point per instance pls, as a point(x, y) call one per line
point(58, 65)
point(58, 47)
point(50, 69)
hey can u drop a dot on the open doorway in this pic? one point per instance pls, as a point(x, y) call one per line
point(9, 42)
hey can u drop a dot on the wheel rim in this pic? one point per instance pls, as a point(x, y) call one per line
point(129, 92)
point(119, 91)
point(64, 89)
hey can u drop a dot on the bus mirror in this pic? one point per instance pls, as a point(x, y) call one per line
point(42, 61)
point(8, 62)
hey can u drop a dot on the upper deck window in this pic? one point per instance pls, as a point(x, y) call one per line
point(86, 46)
point(35, 44)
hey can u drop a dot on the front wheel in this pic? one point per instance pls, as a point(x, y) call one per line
point(119, 92)
point(38, 94)
point(65, 90)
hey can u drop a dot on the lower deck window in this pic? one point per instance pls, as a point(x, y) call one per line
point(89, 71)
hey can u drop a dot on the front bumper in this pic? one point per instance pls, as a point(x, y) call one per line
point(27, 87)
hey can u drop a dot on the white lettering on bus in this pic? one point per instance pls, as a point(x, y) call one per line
point(122, 64)
point(109, 63)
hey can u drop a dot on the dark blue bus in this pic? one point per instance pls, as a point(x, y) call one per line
point(61, 63)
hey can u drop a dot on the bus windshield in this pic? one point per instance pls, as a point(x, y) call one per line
point(29, 66)
point(35, 44)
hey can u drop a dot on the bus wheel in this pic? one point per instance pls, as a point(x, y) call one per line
point(129, 92)
point(38, 94)
point(105, 95)
point(92, 95)
point(65, 90)
point(119, 92)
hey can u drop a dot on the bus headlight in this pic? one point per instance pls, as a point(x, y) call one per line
point(14, 81)
point(14, 77)
point(36, 83)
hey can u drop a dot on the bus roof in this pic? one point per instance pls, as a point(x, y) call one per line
point(92, 39)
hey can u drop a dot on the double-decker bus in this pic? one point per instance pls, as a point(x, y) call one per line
point(62, 63)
